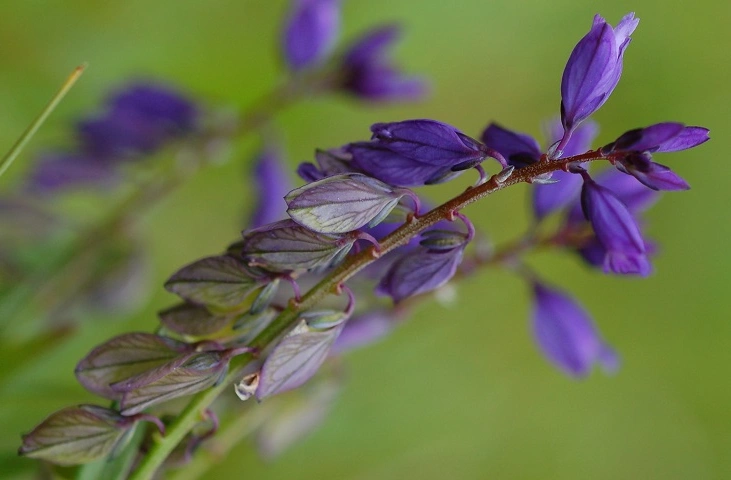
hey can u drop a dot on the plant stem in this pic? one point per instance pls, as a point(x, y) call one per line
point(329, 285)
point(15, 150)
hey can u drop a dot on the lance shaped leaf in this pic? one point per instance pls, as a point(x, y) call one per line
point(194, 320)
point(76, 435)
point(286, 246)
point(196, 374)
point(342, 203)
point(295, 359)
point(124, 357)
point(221, 282)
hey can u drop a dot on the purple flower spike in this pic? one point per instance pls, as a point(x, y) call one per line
point(592, 72)
point(343, 203)
point(566, 334)
point(272, 184)
point(419, 271)
point(519, 149)
point(615, 229)
point(311, 32)
point(369, 74)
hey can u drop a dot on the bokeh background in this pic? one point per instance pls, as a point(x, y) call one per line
point(459, 391)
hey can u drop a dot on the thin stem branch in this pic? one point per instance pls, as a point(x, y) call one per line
point(15, 150)
point(331, 285)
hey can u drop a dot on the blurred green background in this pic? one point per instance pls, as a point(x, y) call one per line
point(460, 391)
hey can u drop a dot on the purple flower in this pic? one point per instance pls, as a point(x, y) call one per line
point(566, 334)
point(311, 32)
point(519, 149)
point(615, 229)
point(416, 152)
point(551, 197)
point(329, 162)
point(272, 184)
point(592, 71)
point(368, 73)
point(364, 329)
point(419, 271)
point(633, 151)
point(55, 171)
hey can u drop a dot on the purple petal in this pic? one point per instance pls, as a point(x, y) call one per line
point(566, 334)
point(220, 281)
point(689, 137)
point(76, 435)
point(634, 195)
point(311, 32)
point(342, 203)
point(593, 69)
point(123, 357)
point(295, 359)
point(652, 175)
point(551, 197)
point(649, 138)
point(380, 162)
point(519, 149)
point(420, 271)
point(615, 229)
point(272, 184)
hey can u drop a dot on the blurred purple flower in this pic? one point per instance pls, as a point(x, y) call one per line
point(566, 334)
point(311, 32)
point(368, 73)
point(592, 72)
point(272, 185)
point(519, 149)
point(364, 329)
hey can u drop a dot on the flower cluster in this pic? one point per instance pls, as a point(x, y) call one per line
point(260, 314)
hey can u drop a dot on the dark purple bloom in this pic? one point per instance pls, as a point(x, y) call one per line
point(519, 149)
point(592, 71)
point(652, 175)
point(368, 72)
point(420, 270)
point(343, 203)
point(416, 152)
point(566, 334)
point(551, 197)
point(311, 32)
point(615, 229)
point(272, 184)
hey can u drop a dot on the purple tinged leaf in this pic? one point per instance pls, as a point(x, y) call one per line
point(593, 70)
point(566, 334)
point(194, 320)
point(364, 329)
point(368, 73)
point(76, 435)
point(272, 184)
point(420, 271)
point(519, 149)
point(311, 32)
point(295, 359)
point(124, 357)
point(265, 297)
point(342, 203)
point(248, 326)
point(334, 161)
point(286, 246)
point(221, 281)
point(615, 229)
point(199, 372)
